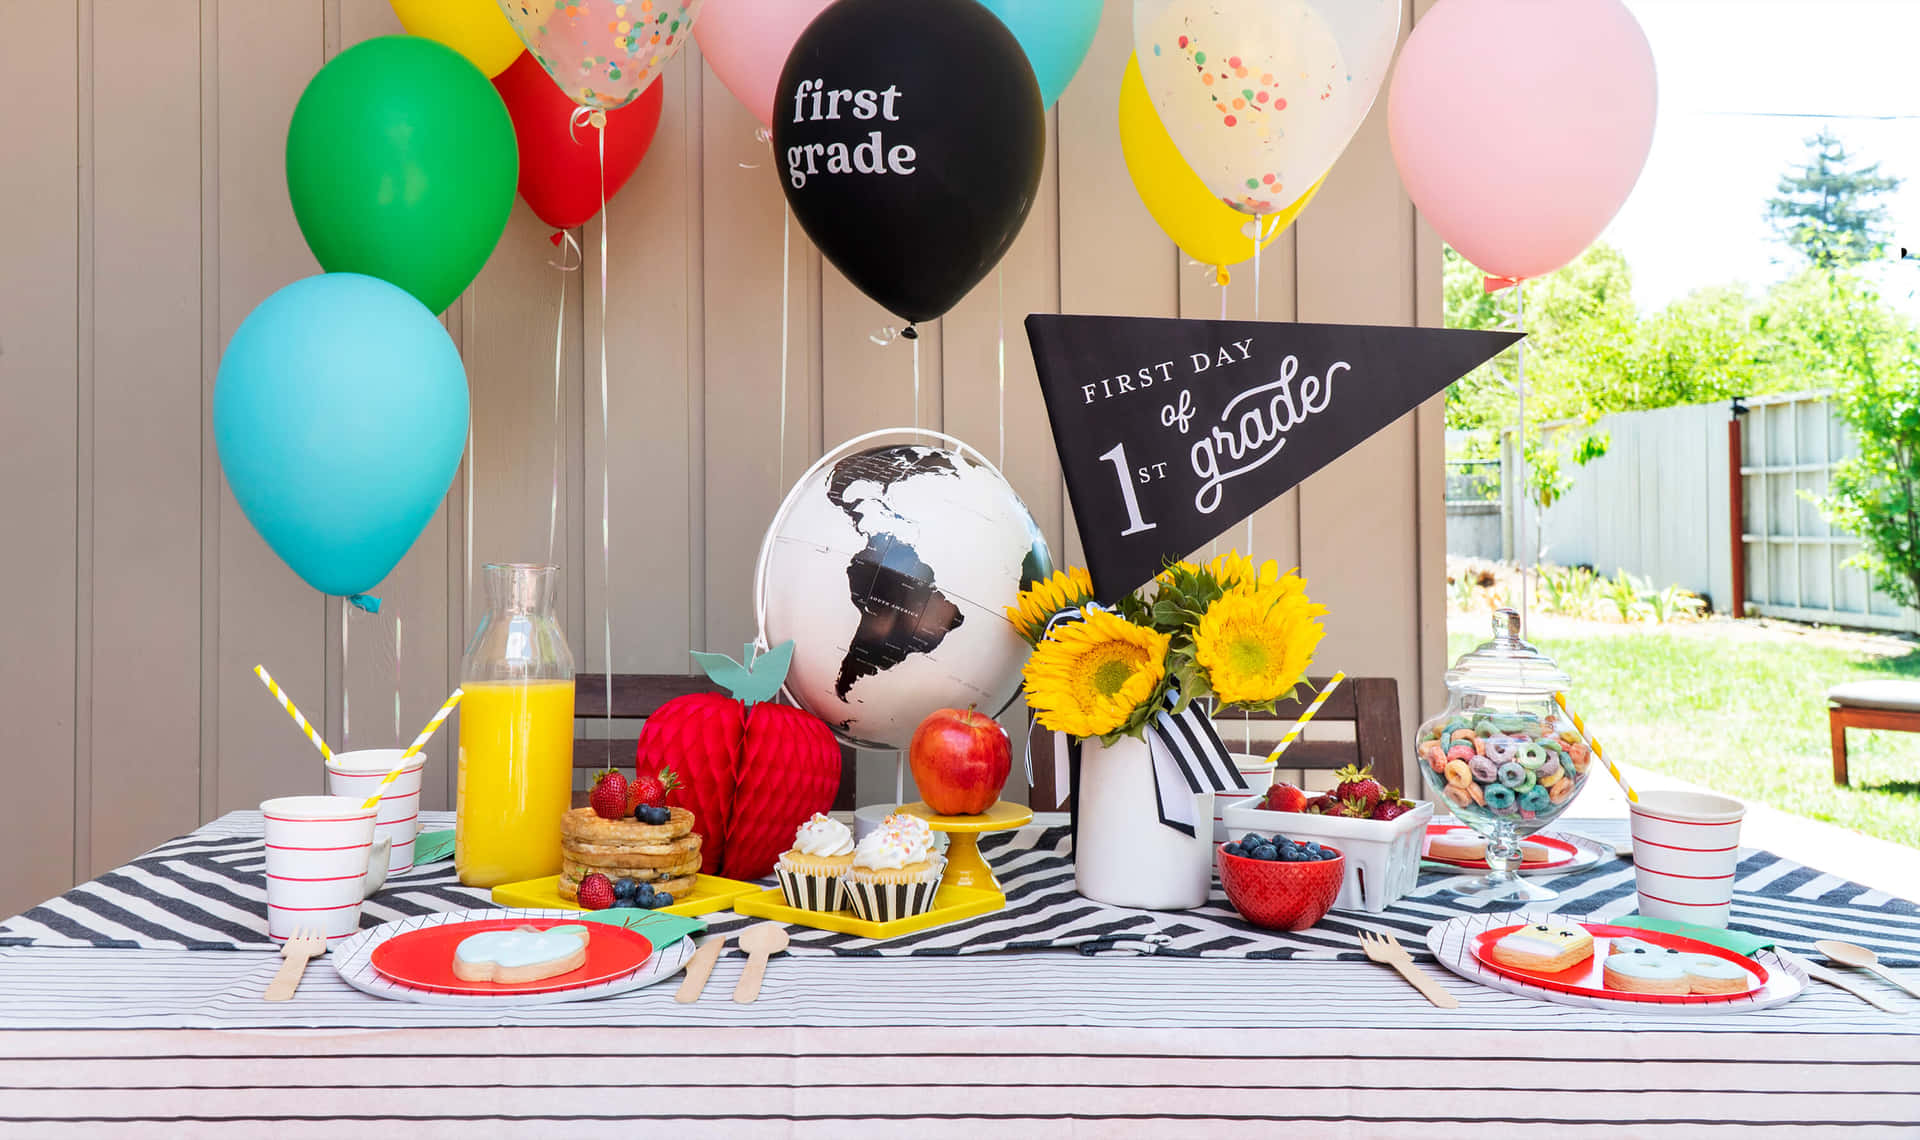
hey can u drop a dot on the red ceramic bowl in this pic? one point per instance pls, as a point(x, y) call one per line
point(1281, 896)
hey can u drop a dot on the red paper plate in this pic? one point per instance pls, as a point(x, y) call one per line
point(424, 958)
point(1589, 977)
point(1562, 852)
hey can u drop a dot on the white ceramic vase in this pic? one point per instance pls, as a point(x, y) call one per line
point(1123, 854)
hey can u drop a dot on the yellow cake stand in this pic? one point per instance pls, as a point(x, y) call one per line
point(965, 867)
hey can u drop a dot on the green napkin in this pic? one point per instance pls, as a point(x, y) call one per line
point(659, 929)
point(1737, 941)
point(432, 846)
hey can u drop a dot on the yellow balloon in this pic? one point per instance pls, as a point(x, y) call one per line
point(476, 29)
point(1207, 229)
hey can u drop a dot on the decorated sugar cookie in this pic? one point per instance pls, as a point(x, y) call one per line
point(1546, 948)
point(523, 954)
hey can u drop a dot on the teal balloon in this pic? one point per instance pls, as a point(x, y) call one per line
point(340, 414)
point(1056, 35)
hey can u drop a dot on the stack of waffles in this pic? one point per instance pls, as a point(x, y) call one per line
point(666, 855)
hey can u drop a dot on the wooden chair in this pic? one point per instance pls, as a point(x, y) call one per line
point(1370, 704)
point(1892, 706)
point(637, 696)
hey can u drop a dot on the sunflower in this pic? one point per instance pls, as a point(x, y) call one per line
point(1091, 677)
point(1038, 603)
point(1236, 572)
point(1255, 642)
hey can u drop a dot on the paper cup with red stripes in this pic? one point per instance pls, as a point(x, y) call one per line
point(322, 862)
point(1686, 848)
point(357, 775)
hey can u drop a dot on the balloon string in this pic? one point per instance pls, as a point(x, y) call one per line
point(1000, 355)
point(606, 454)
point(346, 687)
point(916, 387)
point(559, 334)
point(786, 288)
point(396, 677)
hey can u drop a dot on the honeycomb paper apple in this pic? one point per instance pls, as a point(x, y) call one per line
point(960, 761)
point(751, 771)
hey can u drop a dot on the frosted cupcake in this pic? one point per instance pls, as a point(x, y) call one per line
point(810, 873)
point(895, 872)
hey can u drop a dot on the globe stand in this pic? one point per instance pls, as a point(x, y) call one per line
point(965, 867)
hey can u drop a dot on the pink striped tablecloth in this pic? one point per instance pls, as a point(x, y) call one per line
point(131, 1042)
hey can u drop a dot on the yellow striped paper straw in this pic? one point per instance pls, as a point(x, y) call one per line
point(260, 671)
point(1300, 724)
point(1580, 727)
point(413, 749)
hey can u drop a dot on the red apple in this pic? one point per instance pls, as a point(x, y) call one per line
point(960, 760)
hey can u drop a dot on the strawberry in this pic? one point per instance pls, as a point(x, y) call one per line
point(1391, 809)
point(1359, 785)
point(750, 772)
point(596, 892)
point(609, 798)
point(651, 790)
point(1285, 797)
point(1321, 805)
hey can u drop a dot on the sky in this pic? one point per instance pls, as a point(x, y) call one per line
point(1742, 84)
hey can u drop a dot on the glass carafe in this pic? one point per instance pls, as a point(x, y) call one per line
point(516, 732)
point(1503, 755)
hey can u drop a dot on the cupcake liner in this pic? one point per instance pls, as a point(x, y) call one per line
point(821, 892)
point(884, 902)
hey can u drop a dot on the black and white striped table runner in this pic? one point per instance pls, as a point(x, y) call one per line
point(205, 891)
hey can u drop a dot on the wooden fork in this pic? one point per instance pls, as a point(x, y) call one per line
point(1386, 950)
point(301, 948)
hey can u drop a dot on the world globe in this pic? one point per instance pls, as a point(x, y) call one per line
point(890, 569)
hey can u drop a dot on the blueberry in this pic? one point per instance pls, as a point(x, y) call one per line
point(1325, 854)
point(658, 815)
point(1251, 841)
point(1266, 852)
point(1235, 849)
point(655, 902)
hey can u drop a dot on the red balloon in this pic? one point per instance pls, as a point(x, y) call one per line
point(560, 167)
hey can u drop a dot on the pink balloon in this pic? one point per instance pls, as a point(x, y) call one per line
point(1520, 126)
point(746, 42)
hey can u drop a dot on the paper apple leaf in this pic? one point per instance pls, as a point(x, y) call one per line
point(755, 680)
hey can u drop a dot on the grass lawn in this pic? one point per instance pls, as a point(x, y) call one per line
point(1738, 707)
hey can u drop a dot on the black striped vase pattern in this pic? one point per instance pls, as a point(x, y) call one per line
point(810, 892)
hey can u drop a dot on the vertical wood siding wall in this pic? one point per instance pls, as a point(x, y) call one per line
point(143, 213)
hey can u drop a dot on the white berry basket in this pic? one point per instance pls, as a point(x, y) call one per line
point(1383, 857)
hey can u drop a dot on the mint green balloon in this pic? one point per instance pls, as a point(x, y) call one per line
point(340, 415)
point(1056, 35)
point(401, 165)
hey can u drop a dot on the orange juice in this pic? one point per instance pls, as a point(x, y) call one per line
point(516, 780)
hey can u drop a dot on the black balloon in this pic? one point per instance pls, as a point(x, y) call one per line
point(909, 139)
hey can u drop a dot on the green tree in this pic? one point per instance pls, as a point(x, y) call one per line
point(1876, 494)
point(1827, 207)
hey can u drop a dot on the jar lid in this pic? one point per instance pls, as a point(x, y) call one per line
point(1507, 665)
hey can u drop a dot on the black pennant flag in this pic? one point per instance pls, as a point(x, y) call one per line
point(1171, 431)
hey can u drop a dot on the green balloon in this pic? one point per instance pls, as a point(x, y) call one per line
point(401, 165)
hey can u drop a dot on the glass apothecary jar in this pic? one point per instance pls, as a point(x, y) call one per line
point(1503, 755)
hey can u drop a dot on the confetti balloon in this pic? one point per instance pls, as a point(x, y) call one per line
point(1261, 96)
point(1204, 228)
point(602, 53)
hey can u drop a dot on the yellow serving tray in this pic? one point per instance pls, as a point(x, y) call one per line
point(710, 893)
point(950, 904)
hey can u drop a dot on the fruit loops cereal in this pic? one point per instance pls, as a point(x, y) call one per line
point(1506, 765)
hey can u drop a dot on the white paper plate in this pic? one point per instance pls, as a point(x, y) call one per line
point(1586, 852)
point(353, 961)
point(1449, 943)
